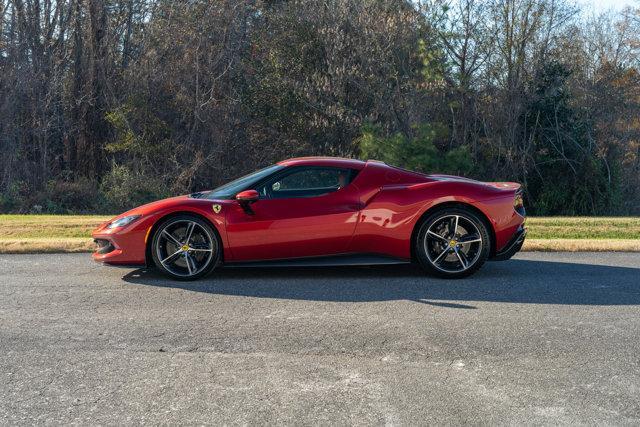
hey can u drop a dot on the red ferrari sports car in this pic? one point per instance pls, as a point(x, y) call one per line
point(322, 211)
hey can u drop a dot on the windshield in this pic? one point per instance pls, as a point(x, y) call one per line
point(230, 189)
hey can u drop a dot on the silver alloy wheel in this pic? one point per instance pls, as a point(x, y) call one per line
point(185, 248)
point(453, 243)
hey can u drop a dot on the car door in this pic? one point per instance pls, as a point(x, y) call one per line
point(303, 211)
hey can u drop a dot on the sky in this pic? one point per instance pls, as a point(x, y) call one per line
point(604, 5)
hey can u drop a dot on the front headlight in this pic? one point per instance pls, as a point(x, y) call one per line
point(123, 221)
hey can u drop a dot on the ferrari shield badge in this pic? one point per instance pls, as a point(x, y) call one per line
point(217, 208)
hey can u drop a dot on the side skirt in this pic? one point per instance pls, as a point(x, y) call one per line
point(324, 261)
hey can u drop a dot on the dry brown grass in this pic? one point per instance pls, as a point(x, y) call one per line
point(582, 245)
point(21, 234)
point(558, 227)
point(45, 245)
point(44, 226)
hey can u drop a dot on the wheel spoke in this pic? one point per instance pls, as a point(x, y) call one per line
point(200, 250)
point(193, 263)
point(200, 245)
point(462, 258)
point(189, 232)
point(167, 234)
point(470, 238)
point(187, 260)
point(446, 251)
point(170, 256)
point(455, 227)
point(431, 233)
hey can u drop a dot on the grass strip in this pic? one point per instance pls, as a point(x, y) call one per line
point(583, 227)
point(581, 245)
point(46, 245)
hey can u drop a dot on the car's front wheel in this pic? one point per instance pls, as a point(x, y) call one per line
point(452, 243)
point(185, 247)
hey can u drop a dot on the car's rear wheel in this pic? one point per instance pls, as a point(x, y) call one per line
point(185, 247)
point(452, 243)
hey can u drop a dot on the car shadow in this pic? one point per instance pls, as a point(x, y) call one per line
point(514, 281)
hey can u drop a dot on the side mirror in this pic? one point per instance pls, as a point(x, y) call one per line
point(245, 198)
point(249, 196)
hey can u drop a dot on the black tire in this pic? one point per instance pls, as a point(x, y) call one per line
point(450, 256)
point(182, 255)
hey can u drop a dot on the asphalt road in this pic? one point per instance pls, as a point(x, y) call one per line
point(544, 338)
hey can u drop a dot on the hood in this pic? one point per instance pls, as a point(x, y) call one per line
point(157, 204)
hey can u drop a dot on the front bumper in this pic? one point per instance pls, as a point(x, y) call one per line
point(513, 247)
point(125, 246)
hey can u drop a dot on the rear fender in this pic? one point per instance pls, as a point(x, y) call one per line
point(387, 220)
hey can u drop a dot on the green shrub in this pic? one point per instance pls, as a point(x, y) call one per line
point(57, 197)
point(417, 152)
point(10, 198)
point(124, 189)
point(65, 197)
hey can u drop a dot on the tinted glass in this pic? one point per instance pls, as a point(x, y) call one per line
point(312, 178)
point(230, 189)
point(307, 182)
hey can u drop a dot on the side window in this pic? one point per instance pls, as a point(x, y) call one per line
point(307, 182)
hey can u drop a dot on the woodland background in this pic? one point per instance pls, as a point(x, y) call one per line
point(108, 104)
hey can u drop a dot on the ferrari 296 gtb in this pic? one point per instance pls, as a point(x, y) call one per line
point(322, 211)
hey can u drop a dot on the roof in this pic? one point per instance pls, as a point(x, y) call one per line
point(324, 161)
